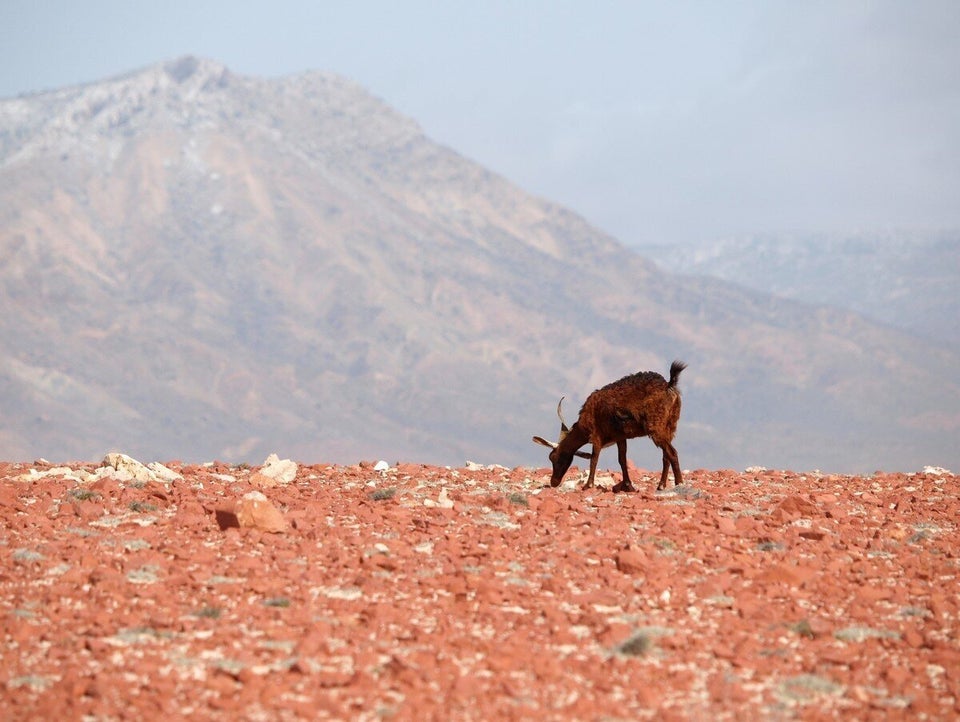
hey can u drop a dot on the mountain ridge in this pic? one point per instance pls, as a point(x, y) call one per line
point(214, 266)
point(904, 279)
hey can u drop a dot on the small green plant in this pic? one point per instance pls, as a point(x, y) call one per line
point(803, 628)
point(282, 602)
point(636, 645)
point(770, 546)
point(142, 507)
point(518, 498)
point(83, 494)
point(666, 546)
point(383, 494)
point(208, 613)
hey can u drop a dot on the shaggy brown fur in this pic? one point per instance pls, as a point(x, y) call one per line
point(642, 404)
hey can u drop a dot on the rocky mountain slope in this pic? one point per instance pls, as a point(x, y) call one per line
point(199, 265)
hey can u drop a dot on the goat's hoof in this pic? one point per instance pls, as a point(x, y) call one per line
point(623, 487)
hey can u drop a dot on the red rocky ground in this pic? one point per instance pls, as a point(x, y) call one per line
point(428, 593)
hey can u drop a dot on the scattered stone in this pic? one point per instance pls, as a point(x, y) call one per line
point(162, 473)
point(255, 511)
point(861, 634)
point(631, 561)
point(281, 471)
point(443, 500)
point(486, 611)
point(474, 466)
point(804, 688)
point(64, 472)
point(126, 468)
point(381, 466)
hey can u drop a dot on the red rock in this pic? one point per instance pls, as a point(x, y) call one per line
point(253, 511)
point(631, 561)
point(726, 525)
point(868, 594)
point(797, 506)
point(787, 574)
point(262, 481)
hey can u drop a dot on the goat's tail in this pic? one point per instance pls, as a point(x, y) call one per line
point(675, 368)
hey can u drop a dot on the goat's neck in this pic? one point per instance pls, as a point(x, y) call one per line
point(574, 439)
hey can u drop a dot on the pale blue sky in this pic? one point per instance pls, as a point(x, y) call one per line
point(658, 121)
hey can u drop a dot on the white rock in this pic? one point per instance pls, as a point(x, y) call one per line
point(382, 466)
point(937, 471)
point(443, 501)
point(63, 471)
point(126, 468)
point(283, 471)
point(162, 473)
point(474, 466)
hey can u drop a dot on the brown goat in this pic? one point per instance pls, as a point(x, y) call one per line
point(642, 404)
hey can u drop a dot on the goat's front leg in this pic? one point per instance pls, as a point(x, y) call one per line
point(624, 484)
point(594, 458)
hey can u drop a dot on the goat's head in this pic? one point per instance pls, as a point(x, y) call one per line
point(560, 457)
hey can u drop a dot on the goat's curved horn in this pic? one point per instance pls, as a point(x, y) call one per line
point(563, 424)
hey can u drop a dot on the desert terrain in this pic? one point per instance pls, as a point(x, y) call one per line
point(404, 591)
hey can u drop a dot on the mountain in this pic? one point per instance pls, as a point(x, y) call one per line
point(906, 280)
point(197, 264)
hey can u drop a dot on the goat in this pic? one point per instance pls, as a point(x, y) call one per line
point(642, 404)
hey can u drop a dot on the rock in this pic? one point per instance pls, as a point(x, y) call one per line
point(474, 466)
point(631, 561)
point(797, 506)
point(162, 473)
point(282, 471)
point(262, 481)
point(255, 511)
point(64, 472)
point(125, 468)
point(381, 466)
point(443, 501)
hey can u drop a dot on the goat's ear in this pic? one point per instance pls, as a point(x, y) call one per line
point(543, 442)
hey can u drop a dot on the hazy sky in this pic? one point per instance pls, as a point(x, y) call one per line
point(659, 122)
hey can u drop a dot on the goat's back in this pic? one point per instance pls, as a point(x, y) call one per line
point(636, 405)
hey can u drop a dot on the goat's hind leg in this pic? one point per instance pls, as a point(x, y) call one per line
point(671, 460)
point(624, 484)
point(675, 464)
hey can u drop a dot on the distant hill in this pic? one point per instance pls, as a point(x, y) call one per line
point(907, 280)
point(196, 264)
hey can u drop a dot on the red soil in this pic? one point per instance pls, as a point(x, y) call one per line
point(762, 595)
